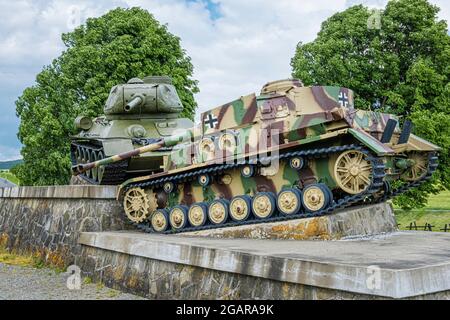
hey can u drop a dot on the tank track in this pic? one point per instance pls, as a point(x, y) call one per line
point(432, 166)
point(346, 201)
point(114, 174)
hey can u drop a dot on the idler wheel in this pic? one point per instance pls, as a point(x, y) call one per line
point(289, 201)
point(264, 204)
point(240, 207)
point(353, 171)
point(418, 168)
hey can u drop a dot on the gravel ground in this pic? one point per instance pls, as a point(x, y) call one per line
point(25, 283)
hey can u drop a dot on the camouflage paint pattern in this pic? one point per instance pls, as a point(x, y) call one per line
point(285, 116)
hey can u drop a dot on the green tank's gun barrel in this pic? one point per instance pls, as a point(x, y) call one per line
point(134, 103)
point(165, 142)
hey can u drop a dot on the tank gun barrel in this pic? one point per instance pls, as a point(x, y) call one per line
point(164, 142)
point(134, 103)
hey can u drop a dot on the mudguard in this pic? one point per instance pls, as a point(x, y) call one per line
point(373, 144)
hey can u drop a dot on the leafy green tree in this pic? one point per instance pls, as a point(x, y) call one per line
point(122, 44)
point(403, 65)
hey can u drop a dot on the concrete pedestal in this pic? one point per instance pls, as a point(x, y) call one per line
point(398, 265)
point(359, 221)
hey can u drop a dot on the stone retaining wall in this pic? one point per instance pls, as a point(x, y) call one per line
point(411, 265)
point(47, 221)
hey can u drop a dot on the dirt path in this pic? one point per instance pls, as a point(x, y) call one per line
point(26, 283)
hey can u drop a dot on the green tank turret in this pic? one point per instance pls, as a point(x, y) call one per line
point(136, 114)
point(290, 152)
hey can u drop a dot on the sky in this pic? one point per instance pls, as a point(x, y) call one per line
point(236, 46)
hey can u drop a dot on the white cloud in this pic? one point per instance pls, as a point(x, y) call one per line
point(9, 153)
point(251, 43)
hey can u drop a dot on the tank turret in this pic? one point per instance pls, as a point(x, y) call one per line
point(144, 97)
point(137, 113)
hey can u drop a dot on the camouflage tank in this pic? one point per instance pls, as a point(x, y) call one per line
point(135, 114)
point(291, 152)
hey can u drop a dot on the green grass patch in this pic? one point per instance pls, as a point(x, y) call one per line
point(5, 174)
point(436, 213)
point(11, 258)
point(439, 201)
point(437, 219)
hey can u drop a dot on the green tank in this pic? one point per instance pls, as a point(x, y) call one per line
point(290, 152)
point(137, 113)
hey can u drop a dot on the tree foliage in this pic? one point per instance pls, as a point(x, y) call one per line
point(105, 51)
point(403, 66)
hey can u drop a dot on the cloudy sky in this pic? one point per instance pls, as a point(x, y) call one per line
point(235, 45)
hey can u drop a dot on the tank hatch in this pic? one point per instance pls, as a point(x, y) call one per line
point(281, 86)
point(158, 80)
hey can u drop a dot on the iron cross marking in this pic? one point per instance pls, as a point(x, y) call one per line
point(210, 121)
point(343, 99)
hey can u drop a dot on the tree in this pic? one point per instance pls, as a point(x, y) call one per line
point(122, 44)
point(401, 66)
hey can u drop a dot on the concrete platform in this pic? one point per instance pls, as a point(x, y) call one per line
point(356, 221)
point(397, 265)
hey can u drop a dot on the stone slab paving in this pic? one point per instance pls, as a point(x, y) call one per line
point(26, 283)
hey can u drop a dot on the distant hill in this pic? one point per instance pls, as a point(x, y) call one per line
point(6, 165)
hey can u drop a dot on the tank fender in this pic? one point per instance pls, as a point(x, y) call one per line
point(373, 144)
point(416, 143)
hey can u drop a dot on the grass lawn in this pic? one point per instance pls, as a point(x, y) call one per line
point(5, 174)
point(436, 213)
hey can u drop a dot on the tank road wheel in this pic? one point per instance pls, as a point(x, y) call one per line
point(178, 217)
point(78, 154)
point(160, 220)
point(87, 156)
point(264, 204)
point(289, 201)
point(101, 169)
point(328, 191)
point(353, 171)
point(418, 168)
point(315, 197)
point(240, 207)
point(94, 170)
point(136, 204)
point(197, 214)
point(218, 211)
